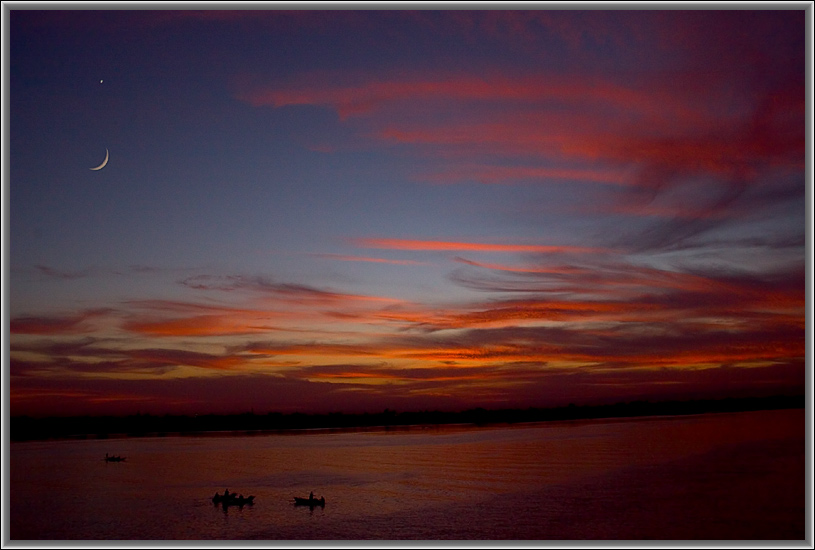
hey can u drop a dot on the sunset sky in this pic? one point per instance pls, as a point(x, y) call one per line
point(343, 211)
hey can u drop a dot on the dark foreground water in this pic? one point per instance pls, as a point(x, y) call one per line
point(738, 476)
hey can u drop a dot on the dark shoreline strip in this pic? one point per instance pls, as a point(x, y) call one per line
point(25, 428)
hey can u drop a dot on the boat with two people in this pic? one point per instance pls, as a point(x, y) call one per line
point(232, 499)
point(310, 501)
point(114, 458)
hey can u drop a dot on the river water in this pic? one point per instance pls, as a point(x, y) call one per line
point(735, 476)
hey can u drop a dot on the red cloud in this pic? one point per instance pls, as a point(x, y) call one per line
point(374, 94)
point(699, 113)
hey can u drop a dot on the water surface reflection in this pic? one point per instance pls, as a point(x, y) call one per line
point(731, 476)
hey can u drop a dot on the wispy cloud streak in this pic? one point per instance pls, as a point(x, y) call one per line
point(411, 244)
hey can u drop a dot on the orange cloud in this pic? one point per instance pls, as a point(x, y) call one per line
point(203, 325)
point(409, 244)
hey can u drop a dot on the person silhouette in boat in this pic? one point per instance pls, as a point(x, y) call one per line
point(226, 494)
point(311, 495)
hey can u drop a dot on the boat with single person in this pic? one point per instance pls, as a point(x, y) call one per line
point(311, 501)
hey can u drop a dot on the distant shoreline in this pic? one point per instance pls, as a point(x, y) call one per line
point(25, 428)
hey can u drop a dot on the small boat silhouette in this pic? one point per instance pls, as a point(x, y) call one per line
point(298, 501)
point(114, 458)
point(232, 499)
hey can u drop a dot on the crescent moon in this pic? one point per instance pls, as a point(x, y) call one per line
point(104, 162)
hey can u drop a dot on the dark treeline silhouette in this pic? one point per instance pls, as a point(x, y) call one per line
point(23, 428)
